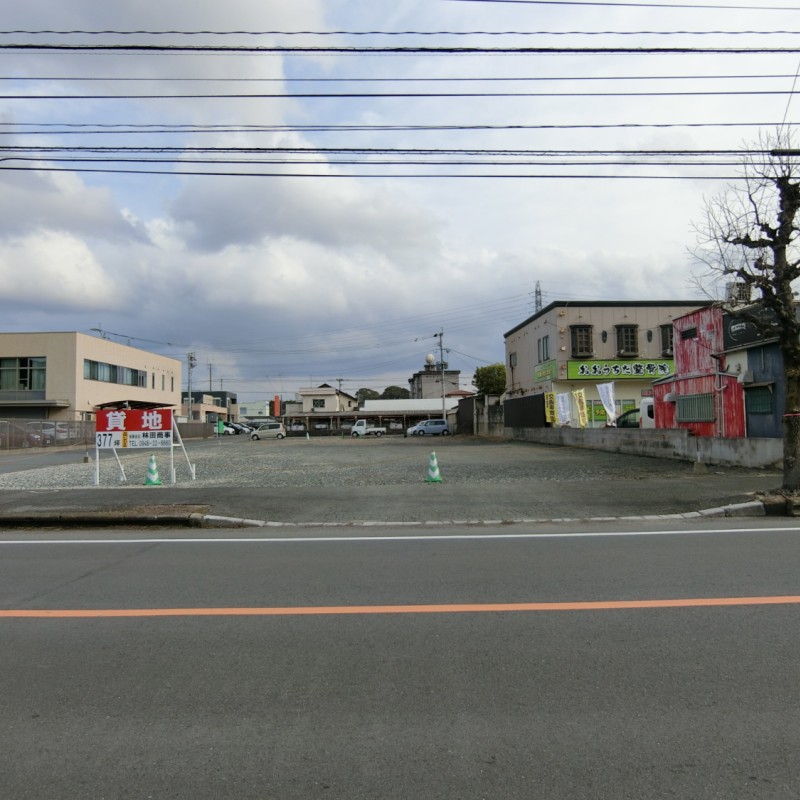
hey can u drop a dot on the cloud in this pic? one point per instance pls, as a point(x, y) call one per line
point(55, 272)
point(42, 201)
point(334, 212)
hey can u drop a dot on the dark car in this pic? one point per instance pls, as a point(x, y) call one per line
point(12, 435)
point(630, 419)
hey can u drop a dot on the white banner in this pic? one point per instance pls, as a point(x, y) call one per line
point(606, 392)
point(563, 407)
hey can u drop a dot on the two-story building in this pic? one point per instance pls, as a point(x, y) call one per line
point(572, 345)
point(210, 406)
point(66, 375)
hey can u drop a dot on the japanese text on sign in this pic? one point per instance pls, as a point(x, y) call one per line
point(121, 428)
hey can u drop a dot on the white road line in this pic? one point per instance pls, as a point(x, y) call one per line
point(411, 538)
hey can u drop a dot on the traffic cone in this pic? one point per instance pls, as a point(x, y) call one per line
point(433, 470)
point(152, 478)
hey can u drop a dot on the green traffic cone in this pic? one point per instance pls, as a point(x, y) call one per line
point(152, 478)
point(433, 470)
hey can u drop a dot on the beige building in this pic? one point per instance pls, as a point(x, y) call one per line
point(64, 376)
point(569, 346)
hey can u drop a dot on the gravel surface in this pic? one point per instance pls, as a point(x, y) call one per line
point(342, 481)
point(333, 461)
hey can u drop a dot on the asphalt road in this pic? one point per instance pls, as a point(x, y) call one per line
point(350, 668)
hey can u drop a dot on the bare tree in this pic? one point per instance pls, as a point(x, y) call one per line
point(750, 237)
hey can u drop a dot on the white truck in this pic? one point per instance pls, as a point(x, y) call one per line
point(363, 427)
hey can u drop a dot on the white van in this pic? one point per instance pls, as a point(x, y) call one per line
point(648, 416)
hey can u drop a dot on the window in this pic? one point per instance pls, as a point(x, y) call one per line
point(758, 400)
point(318, 402)
point(667, 338)
point(544, 348)
point(695, 408)
point(111, 373)
point(627, 340)
point(581, 336)
point(689, 333)
point(512, 360)
point(23, 374)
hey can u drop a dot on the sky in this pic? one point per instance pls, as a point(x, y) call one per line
point(284, 240)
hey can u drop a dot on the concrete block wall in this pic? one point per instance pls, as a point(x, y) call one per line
point(675, 444)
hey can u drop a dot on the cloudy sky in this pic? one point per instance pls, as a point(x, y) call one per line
point(204, 192)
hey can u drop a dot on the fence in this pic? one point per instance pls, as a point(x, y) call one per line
point(24, 433)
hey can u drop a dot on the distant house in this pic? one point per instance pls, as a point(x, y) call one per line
point(210, 406)
point(326, 399)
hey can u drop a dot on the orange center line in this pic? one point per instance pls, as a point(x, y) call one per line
point(470, 608)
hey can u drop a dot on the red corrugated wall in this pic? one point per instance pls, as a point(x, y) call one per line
point(699, 363)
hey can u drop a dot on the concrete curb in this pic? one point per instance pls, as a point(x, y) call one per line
point(105, 519)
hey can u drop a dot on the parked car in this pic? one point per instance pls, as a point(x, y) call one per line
point(240, 428)
point(629, 418)
point(271, 430)
point(297, 426)
point(429, 427)
point(54, 431)
point(12, 435)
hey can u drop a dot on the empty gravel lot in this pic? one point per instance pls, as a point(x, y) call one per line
point(334, 479)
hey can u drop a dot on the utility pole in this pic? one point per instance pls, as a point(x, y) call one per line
point(191, 363)
point(440, 336)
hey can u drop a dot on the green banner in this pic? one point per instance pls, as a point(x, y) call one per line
point(652, 369)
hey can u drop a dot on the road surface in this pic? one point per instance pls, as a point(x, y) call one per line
point(592, 662)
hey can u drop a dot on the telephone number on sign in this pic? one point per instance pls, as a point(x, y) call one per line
point(121, 439)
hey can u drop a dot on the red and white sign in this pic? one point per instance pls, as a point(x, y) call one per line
point(134, 427)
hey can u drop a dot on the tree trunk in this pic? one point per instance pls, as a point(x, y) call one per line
point(791, 432)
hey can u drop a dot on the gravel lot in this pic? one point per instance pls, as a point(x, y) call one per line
point(331, 461)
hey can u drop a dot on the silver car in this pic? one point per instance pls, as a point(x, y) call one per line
point(429, 427)
point(269, 430)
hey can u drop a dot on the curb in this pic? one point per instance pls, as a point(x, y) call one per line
point(106, 519)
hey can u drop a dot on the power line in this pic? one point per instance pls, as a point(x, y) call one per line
point(95, 128)
point(684, 6)
point(334, 175)
point(389, 95)
point(398, 50)
point(345, 79)
point(396, 33)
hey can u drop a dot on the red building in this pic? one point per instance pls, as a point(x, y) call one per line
point(706, 392)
